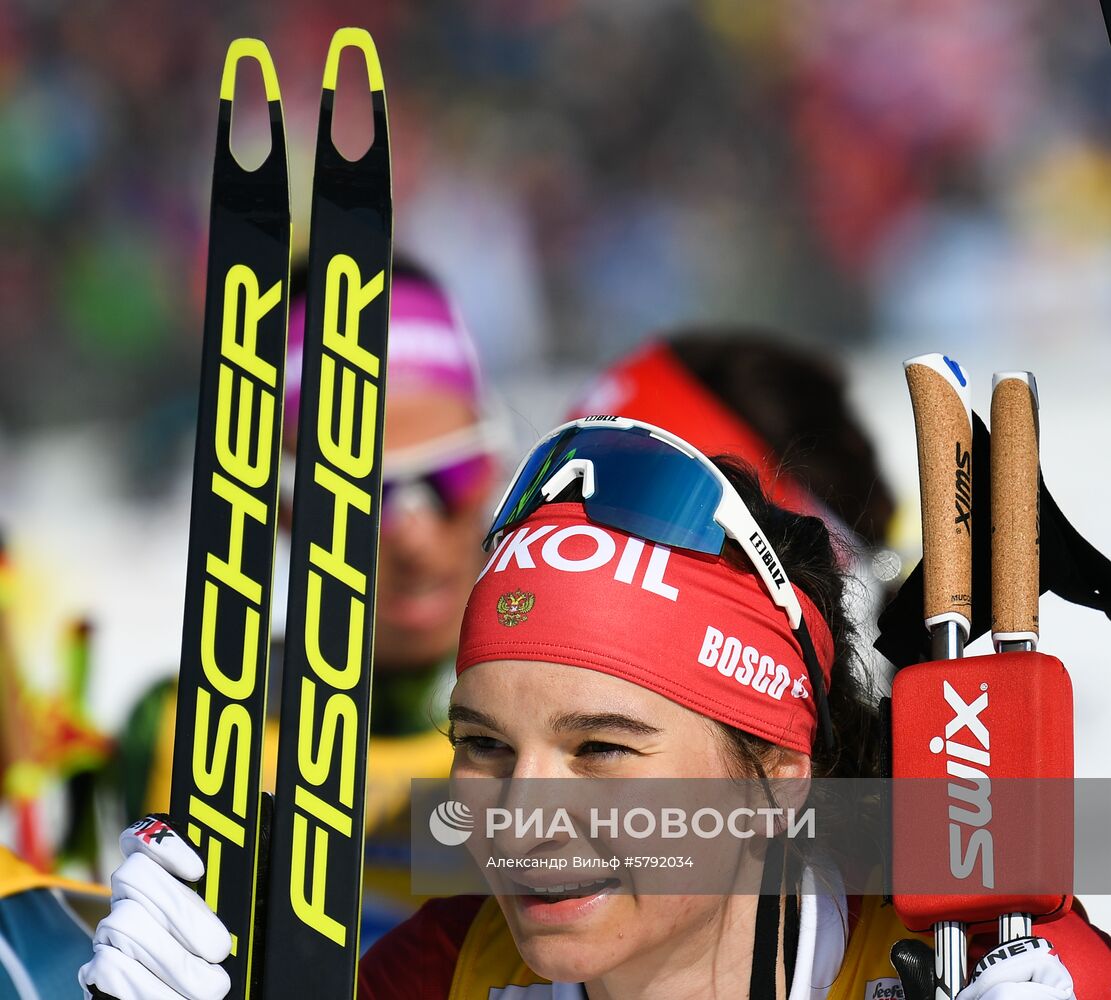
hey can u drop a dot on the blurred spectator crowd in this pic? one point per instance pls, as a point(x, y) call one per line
point(579, 171)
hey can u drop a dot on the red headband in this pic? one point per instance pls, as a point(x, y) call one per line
point(560, 589)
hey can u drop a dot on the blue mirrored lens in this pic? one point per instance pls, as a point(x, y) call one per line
point(641, 485)
point(648, 488)
point(526, 496)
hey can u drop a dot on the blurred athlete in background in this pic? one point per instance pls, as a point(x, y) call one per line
point(441, 462)
point(783, 409)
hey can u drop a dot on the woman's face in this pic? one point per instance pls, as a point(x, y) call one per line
point(517, 719)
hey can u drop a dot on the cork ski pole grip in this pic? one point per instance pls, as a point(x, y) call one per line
point(940, 397)
point(1014, 509)
point(1015, 553)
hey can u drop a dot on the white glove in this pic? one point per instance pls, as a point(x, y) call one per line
point(160, 941)
point(1019, 970)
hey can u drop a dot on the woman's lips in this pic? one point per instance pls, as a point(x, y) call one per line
point(537, 905)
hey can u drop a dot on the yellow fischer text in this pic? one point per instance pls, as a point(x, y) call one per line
point(328, 732)
point(246, 404)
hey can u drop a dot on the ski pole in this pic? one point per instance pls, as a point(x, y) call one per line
point(1014, 537)
point(940, 398)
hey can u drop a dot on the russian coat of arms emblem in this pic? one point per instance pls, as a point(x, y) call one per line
point(513, 608)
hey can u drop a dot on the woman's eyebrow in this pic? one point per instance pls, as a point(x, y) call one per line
point(614, 721)
point(460, 713)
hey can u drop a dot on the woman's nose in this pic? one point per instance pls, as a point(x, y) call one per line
point(532, 806)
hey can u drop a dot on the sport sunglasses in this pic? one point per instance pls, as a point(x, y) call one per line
point(453, 470)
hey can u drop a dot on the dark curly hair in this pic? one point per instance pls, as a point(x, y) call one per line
point(798, 402)
point(808, 558)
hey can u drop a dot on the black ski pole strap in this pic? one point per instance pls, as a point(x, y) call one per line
point(765, 943)
point(1071, 567)
point(886, 769)
point(790, 935)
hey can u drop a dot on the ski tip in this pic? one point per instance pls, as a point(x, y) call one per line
point(249, 48)
point(353, 38)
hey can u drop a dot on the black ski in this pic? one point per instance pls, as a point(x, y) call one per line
point(226, 638)
point(316, 858)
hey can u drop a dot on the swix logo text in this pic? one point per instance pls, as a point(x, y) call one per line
point(967, 746)
point(763, 548)
point(520, 550)
point(151, 828)
point(962, 496)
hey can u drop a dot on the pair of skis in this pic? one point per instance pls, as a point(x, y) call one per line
point(289, 896)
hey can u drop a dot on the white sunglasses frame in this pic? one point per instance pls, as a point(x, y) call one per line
point(731, 514)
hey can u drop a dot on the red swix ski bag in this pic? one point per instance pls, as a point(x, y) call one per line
point(982, 757)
